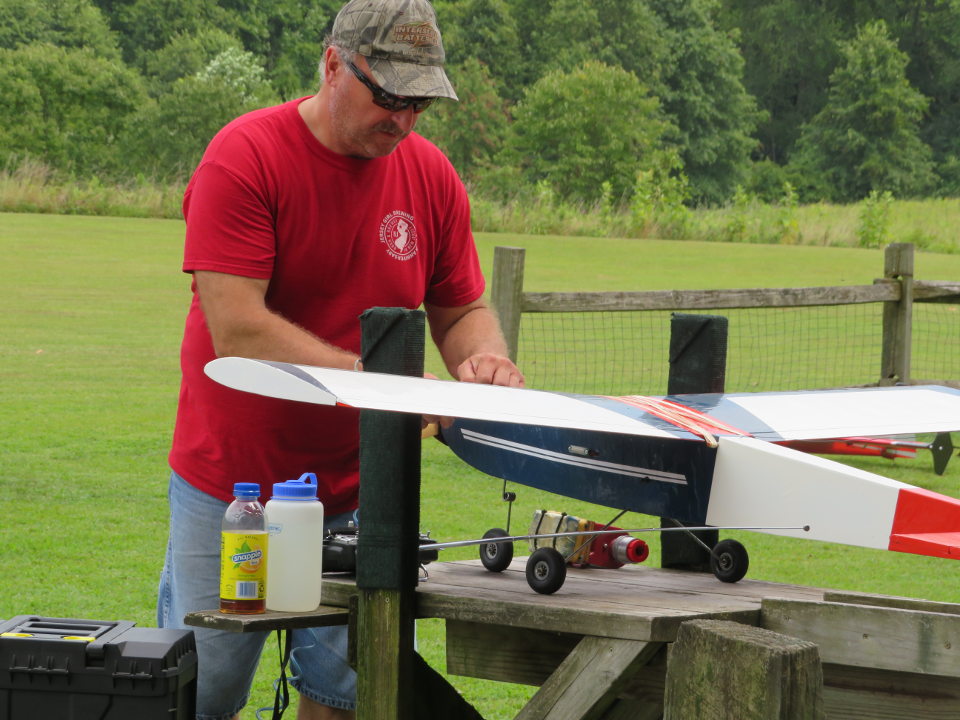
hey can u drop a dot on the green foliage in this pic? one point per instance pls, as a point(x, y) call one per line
point(471, 131)
point(788, 222)
point(67, 107)
point(145, 26)
point(485, 31)
point(577, 129)
point(736, 80)
point(239, 71)
point(789, 48)
point(169, 135)
point(186, 54)
point(874, 228)
point(867, 135)
point(704, 95)
point(659, 200)
point(65, 23)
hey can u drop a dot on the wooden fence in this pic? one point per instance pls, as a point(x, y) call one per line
point(897, 290)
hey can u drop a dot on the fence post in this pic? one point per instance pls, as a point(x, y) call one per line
point(898, 316)
point(718, 669)
point(698, 358)
point(507, 293)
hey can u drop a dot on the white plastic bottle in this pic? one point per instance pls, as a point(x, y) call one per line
point(295, 523)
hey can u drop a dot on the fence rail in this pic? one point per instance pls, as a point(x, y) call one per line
point(896, 291)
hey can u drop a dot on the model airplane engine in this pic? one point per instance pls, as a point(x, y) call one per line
point(611, 550)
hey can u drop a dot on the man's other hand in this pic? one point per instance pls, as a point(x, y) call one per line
point(490, 369)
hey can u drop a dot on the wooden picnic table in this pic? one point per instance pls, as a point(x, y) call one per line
point(598, 647)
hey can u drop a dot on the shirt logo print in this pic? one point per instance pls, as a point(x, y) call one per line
point(398, 233)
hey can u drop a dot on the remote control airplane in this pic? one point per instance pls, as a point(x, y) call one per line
point(705, 460)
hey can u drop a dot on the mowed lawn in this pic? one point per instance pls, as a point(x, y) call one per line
point(92, 311)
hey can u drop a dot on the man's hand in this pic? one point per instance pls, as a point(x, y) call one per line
point(484, 368)
point(490, 369)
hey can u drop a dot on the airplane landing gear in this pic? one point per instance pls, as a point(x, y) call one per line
point(546, 570)
point(496, 556)
point(729, 561)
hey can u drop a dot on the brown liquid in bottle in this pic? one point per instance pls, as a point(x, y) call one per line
point(242, 607)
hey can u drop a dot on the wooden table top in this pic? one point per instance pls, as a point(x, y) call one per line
point(635, 602)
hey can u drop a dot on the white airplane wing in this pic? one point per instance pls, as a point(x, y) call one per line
point(768, 416)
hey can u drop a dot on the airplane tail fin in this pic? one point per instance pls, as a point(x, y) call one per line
point(941, 448)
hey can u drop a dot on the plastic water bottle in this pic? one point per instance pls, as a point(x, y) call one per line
point(243, 553)
point(295, 522)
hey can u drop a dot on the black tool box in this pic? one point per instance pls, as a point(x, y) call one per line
point(65, 669)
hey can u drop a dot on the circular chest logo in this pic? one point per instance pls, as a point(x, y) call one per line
point(399, 234)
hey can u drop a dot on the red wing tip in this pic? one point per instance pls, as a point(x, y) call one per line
point(934, 544)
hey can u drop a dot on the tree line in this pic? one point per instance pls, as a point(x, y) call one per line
point(592, 101)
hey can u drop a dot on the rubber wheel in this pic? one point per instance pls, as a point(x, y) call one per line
point(496, 557)
point(729, 561)
point(546, 570)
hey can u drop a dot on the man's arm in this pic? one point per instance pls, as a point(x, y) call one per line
point(241, 324)
point(472, 345)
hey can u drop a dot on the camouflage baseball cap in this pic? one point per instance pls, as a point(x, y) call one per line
point(401, 42)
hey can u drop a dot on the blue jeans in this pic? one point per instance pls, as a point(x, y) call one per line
point(227, 661)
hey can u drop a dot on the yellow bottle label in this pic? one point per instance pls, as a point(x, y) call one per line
point(243, 566)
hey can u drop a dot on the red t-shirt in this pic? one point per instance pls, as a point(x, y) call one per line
point(335, 236)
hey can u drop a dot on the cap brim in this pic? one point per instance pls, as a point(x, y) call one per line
point(411, 79)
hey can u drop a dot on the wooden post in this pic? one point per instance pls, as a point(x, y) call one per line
point(718, 670)
point(392, 341)
point(898, 316)
point(393, 682)
point(507, 293)
point(698, 361)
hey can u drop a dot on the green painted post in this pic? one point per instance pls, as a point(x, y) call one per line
point(698, 361)
point(393, 682)
point(392, 342)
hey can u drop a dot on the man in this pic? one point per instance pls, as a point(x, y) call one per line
point(300, 217)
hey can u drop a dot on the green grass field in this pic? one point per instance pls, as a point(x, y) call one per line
point(91, 320)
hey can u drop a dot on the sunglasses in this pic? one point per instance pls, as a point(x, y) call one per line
point(389, 101)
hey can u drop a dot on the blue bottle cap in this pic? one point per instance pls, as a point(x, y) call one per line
point(305, 488)
point(246, 489)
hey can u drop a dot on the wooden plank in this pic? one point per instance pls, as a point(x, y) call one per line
point(506, 292)
point(890, 601)
point(588, 681)
point(863, 636)
point(384, 653)
point(709, 299)
point(529, 657)
point(633, 710)
point(505, 654)
point(868, 694)
point(936, 291)
point(718, 670)
point(323, 616)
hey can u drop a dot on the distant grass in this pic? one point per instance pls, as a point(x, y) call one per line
point(92, 312)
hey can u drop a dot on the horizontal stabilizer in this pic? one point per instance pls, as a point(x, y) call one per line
point(926, 523)
point(942, 544)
